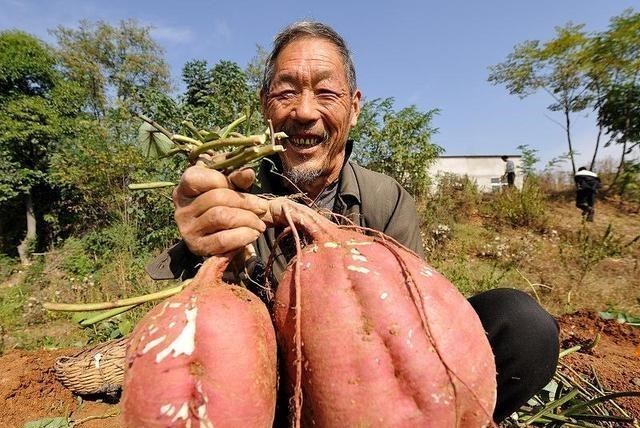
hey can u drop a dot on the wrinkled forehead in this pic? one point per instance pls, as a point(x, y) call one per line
point(320, 54)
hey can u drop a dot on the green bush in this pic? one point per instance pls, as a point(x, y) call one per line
point(472, 277)
point(453, 200)
point(8, 265)
point(525, 208)
point(75, 258)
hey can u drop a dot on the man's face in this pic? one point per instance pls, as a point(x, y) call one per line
point(309, 100)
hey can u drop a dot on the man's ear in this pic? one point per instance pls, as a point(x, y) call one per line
point(355, 107)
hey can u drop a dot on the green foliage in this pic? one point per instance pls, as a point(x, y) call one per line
point(396, 143)
point(628, 184)
point(621, 317)
point(37, 110)
point(8, 266)
point(560, 67)
point(453, 199)
point(218, 95)
point(26, 65)
point(112, 328)
point(556, 66)
point(526, 208)
point(472, 278)
point(114, 63)
point(197, 76)
point(619, 112)
point(581, 70)
point(529, 160)
point(12, 300)
point(17, 305)
point(29, 130)
point(76, 260)
point(94, 172)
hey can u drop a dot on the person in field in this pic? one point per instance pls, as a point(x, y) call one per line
point(309, 92)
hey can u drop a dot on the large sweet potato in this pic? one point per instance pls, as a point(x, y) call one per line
point(204, 358)
point(384, 340)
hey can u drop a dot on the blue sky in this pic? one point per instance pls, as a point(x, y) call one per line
point(431, 54)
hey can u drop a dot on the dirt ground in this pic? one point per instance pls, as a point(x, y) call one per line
point(30, 391)
point(615, 359)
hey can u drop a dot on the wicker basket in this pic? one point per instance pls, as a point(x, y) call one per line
point(95, 370)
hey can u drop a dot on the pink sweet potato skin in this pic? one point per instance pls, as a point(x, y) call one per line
point(229, 378)
point(367, 359)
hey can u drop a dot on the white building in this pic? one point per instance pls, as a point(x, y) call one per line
point(485, 170)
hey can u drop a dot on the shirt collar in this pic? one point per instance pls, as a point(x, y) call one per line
point(348, 188)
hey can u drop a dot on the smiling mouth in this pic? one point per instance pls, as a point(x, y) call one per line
point(304, 142)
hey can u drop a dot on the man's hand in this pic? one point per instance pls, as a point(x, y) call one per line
point(212, 216)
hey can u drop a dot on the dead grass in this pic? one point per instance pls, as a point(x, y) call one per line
point(568, 266)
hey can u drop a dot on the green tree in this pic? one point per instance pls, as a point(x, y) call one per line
point(215, 96)
point(114, 63)
point(529, 160)
point(255, 73)
point(559, 67)
point(619, 114)
point(38, 110)
point(396, 143)
point(197, 77)
point(617, 58)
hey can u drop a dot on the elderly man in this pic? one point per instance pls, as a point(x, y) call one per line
point(310, 93)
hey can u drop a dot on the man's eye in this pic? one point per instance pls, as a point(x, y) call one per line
point(326, 93)
point(285, 95)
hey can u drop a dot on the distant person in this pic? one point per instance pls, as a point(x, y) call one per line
point(587, 184)
point(509, 171)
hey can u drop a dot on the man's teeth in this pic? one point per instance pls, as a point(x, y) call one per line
point(304, 141)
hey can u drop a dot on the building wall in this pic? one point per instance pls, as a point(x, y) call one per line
point(484, 170)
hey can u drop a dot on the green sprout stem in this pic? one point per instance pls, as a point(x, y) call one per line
point(194, 131)
point(232, 126)
point(82, 307)
point(252, 140)
point(151, 185)
point(105, 315)
point(248, 155)
point(185, 139)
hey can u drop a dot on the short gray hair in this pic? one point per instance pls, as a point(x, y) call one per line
point(314, 29)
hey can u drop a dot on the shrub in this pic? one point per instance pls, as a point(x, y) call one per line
point(75, 259)
point(454, 199)
point(524, 208)
point(8, 266)
point(580, 251)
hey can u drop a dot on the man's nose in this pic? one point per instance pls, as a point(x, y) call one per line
point(306, 109)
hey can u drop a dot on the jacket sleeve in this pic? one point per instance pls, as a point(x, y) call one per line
point(389, 208)
point(403, 224)
point(176, 262)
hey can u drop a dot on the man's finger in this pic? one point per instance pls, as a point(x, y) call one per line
point(242, 179)
point(224, 241)
point(195, 181)
point(228, 198)
point(220, 218)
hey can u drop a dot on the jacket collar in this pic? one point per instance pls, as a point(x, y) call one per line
point(586, 173)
